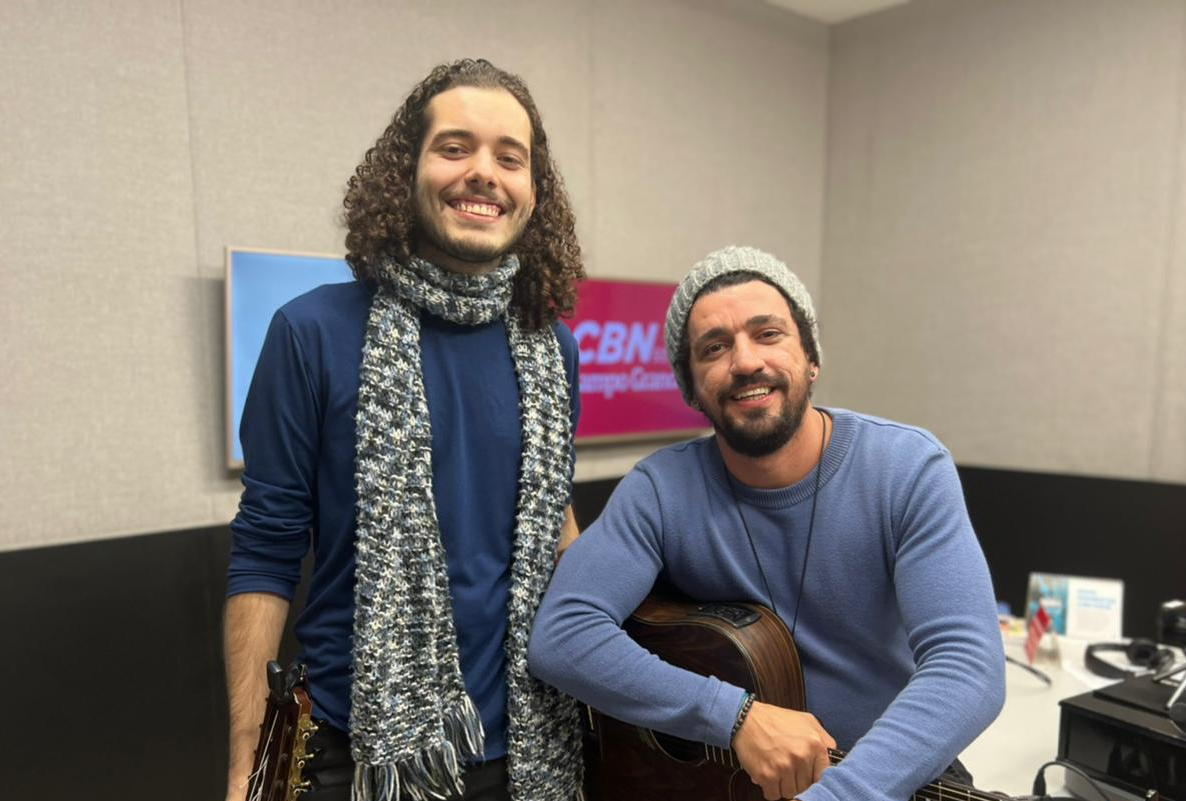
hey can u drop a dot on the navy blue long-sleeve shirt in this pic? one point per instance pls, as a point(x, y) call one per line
point(298, 435)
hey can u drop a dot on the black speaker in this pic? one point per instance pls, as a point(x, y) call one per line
point(1143, 654)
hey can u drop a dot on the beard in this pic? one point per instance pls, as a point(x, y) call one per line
point(463, 247)
point(759, 433)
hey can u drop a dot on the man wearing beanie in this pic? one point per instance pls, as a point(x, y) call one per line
point(852, 529)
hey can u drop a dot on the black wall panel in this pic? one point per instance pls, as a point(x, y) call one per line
point(1082, 526)
point(108, 665)
point(110, 652)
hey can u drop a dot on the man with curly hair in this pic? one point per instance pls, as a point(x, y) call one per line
point(416, 425)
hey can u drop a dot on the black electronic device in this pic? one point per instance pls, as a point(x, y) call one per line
point(1122, 735)
point(1171, 623)
point(1142, 654)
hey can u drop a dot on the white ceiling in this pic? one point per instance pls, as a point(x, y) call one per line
point(834, 11)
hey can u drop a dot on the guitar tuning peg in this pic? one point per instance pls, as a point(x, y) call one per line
point(276, 679)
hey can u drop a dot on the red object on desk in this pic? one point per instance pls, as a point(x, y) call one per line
point(1039, 624)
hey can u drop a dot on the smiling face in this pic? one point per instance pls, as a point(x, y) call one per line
point(750, 375)
point(474, 192)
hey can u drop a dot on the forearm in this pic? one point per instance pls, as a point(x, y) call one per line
point(578, 645)
point(251, 637)
point(597, 663)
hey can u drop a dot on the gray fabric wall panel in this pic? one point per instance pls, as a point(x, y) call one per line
point(1168, 461)
point(151, 136)
point(1003, 181)
point(707, 127)
point(286, 100)
point(709, 131)
point(101, 391)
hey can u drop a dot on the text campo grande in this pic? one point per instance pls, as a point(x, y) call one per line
point(638, 379)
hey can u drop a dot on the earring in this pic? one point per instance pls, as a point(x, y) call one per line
point(813, 375)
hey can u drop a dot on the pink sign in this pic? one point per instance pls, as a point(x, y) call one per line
point(627, 387)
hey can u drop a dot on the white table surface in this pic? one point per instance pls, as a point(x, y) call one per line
point(1007, 755)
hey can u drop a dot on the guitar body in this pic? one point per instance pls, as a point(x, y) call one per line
point(743, 644)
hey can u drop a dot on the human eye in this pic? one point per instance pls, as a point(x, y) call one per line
point(511, 161)
point(712, 349)
point(452, 150)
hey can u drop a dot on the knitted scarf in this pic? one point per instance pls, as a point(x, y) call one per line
point(413, 726)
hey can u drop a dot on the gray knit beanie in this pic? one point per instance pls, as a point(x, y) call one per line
point(732, 259)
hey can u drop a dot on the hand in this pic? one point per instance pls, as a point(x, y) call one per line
point(240, 769)
point(236, 791)
point(783, 751)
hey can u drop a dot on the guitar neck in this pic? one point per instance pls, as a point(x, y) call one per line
point(935, 791)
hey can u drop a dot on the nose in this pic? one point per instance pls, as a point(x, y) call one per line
point(746, 359)
point(481, 170)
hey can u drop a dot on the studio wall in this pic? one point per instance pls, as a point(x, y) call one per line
point(141, 138)
point(1004, 252)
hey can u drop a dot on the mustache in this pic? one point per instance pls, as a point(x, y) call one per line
point(742, 382)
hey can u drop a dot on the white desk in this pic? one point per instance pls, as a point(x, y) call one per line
point(1006, 757)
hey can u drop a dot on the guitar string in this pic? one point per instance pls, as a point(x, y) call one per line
point(819, 469)
point(254, 782)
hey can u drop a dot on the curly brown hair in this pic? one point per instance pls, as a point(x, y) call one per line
point(381, 220)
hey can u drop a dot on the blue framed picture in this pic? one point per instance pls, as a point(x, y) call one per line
point(258, 282)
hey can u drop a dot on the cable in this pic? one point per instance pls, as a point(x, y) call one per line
point(1015, 661)
point(819, 469)
point(1040, 779)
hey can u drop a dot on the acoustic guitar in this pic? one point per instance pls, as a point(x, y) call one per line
point(281, 755)
point(744, 644)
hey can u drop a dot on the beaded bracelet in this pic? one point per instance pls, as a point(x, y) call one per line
point(746, 703)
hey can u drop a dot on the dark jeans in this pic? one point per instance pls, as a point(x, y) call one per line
point(332, 771)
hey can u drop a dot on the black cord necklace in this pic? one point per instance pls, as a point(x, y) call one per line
point(819, 469)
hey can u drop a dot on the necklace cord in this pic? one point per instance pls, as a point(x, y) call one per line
point(819, 469)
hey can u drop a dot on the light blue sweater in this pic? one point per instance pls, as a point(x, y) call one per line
point(897, 633)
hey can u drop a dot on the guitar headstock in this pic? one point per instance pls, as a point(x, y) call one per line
point(281, 754)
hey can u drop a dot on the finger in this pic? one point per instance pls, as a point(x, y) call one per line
point(822, 762)
point(804, 771)
point(770, 790)
point(827, 739)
